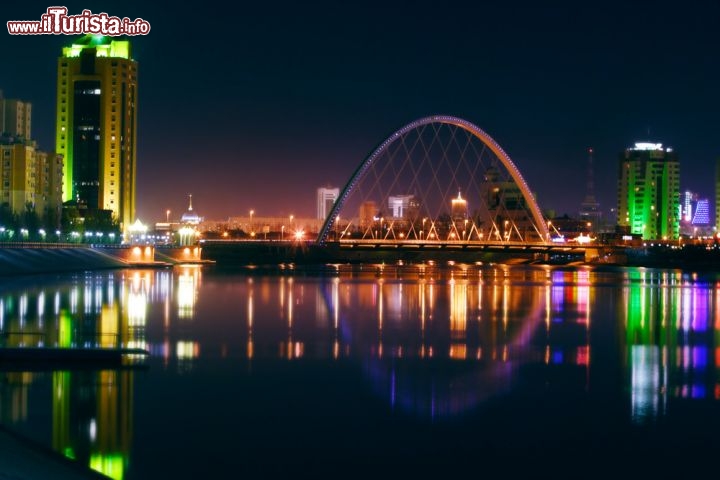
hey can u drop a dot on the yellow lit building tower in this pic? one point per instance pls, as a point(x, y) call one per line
point(96, 126)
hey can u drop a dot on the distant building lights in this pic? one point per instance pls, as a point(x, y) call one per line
point(647, 146)
point(583, 239)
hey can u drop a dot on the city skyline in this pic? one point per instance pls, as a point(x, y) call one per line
point(295, 98)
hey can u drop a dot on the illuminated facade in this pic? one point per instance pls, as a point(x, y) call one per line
point(688, 198)
point(326, 198)
point(649, 191)
point(30, 178)
point(702, 212)
point(96, 125)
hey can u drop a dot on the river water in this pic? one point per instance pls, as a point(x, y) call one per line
point(421, 371)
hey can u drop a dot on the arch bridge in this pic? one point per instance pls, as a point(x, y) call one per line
point(439, 180)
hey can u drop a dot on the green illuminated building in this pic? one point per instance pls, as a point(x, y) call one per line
point(96, 125)
point(649, 191)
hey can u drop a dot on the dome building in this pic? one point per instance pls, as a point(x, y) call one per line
point(190, 217)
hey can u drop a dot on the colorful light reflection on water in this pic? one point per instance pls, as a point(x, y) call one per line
point(435, 344)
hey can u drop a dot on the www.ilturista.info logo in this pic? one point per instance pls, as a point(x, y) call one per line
point(57, 22)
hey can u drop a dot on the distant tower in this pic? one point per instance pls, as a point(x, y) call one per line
point(590, 208)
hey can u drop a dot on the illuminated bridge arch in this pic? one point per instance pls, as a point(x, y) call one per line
point(439, 178)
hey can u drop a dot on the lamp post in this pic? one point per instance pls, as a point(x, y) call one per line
point(167, 216)
point(252, 230)
point(282, 232)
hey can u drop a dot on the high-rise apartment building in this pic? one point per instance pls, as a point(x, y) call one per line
point(326, 198)
point(30, 179)
point(15, 118)
point(649, 191)
point(96, 126)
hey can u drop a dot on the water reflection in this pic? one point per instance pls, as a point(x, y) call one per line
point(432, 342)
point(672, 327)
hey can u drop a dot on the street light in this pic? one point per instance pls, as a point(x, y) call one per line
point(252, 230)
point(282, 232)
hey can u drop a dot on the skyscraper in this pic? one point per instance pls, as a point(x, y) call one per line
point(326, 198)
point(649, 191)
point(96, 126)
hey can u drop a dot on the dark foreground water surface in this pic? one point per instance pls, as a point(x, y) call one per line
point(374, 371)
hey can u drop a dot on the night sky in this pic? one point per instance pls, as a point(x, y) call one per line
point(255, 106)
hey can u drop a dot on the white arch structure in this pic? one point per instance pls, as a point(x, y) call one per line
point(474, 130)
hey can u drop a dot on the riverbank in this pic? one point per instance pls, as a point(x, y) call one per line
point(23, 459)
point(40, 258)
point(18, 260)
point(237, 254)
point(27, 261)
